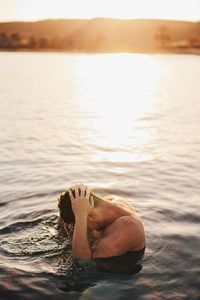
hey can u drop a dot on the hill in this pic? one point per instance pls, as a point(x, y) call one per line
point(99, 34)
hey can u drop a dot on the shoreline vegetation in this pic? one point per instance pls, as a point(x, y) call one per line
point(102, 36)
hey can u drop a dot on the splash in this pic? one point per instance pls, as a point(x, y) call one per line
point(38, 246)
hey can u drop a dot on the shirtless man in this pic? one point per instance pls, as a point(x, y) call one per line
point(114, 223)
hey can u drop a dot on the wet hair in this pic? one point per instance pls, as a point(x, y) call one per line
point(65, 206)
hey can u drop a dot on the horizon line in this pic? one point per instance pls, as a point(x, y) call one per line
point(98, 17)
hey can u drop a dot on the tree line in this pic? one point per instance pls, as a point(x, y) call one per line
point(163, 39)
point(17, 40)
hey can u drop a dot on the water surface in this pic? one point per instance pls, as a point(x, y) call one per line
point(124, 124)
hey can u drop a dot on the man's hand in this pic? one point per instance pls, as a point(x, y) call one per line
point(80, 203)
point(81, 207)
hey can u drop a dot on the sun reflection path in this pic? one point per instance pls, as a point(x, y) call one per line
point(117, 93)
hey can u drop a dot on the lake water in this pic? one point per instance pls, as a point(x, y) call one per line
point(124, 124)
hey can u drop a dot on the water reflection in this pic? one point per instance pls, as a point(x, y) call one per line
point(115, 94)
point(123, 124)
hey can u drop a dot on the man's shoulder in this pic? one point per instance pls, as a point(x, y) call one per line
point(121, 223)
point(127, 224)
point(125, 220)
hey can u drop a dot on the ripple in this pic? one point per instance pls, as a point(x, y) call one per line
point(34, 196)
point(34, 238)
point(153, 160)
point(15, 227)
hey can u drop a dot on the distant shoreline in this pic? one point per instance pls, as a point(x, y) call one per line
point(193, 51)
point(101, 36)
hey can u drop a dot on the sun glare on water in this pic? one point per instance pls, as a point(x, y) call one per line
point(118, 91)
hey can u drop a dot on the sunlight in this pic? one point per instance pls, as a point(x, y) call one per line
point(119, 91)
point(119, 87)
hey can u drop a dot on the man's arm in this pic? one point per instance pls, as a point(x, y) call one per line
point(80, 246)
point(81, 207)
point(118, 241)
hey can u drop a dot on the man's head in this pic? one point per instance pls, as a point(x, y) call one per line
point(95, 216)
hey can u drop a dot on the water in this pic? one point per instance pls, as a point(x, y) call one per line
point(124, 124)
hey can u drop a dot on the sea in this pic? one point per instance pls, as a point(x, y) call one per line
point(123, 124)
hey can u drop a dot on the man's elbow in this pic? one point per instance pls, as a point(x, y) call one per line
point(85, 255)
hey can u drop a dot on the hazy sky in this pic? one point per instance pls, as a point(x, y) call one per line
point(125, 9)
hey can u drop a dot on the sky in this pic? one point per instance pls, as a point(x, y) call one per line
point(11, 10)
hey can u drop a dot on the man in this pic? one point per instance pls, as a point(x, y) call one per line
point(119, 231)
